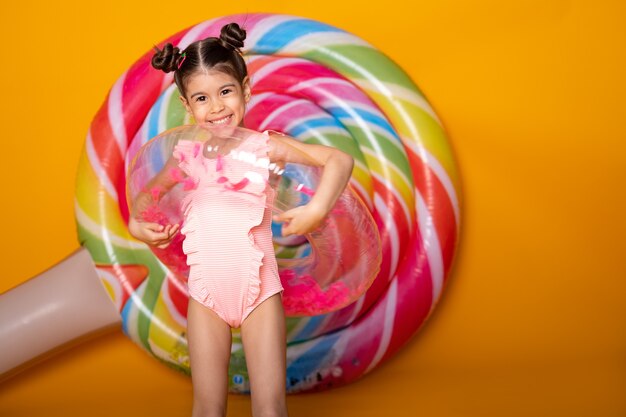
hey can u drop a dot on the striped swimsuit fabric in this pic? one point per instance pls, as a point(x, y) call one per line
point(227, 225)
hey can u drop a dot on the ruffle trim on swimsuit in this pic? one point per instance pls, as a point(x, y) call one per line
point(187, 153)
point(188, 229)
point(200, 291)
point(260, 149)
point(256, 260)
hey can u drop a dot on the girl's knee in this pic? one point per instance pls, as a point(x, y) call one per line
point(202, 409)
point(272, 411)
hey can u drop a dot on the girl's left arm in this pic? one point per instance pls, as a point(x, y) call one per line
point(337, 168)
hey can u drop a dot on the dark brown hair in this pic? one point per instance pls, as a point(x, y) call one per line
point(220, 54)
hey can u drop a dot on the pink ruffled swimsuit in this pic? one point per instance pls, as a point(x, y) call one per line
point(227, 228)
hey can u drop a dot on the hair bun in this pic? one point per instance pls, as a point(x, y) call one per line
point(232, 36)
point(166, 59)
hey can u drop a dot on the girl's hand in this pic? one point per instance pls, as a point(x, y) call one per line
point(153, 234)
point(301, 220)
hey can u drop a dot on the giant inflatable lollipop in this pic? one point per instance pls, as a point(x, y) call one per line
point(319, 84)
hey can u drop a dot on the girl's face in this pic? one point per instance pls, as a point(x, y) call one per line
point(216, 98)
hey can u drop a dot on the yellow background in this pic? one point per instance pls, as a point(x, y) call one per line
point(531, 93)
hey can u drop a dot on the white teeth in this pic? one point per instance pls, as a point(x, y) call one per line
point(220, 121)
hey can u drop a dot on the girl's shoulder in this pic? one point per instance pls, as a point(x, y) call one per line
point(278, 144)
point(185, 148)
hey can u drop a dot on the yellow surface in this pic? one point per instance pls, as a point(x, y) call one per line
point(531, 92)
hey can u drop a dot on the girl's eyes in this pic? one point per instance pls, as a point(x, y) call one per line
point(224, 92)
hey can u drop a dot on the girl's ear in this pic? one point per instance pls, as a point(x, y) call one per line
point(247, 93)
point(185, 103)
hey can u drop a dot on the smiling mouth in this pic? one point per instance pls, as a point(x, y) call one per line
point(221, 121)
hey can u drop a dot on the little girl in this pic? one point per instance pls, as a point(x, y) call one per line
point(212, 78)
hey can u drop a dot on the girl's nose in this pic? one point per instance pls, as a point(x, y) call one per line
point(216, 106)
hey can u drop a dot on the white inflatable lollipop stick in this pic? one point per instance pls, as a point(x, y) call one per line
point(52, 311)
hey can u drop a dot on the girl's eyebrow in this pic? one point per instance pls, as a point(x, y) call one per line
point(222, 87)
point(196, 94)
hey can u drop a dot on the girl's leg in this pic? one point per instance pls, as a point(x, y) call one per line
point(264, 344)
point(210, 342)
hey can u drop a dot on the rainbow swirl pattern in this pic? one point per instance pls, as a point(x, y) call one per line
point(321, 85)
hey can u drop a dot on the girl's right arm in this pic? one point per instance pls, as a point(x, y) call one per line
point(154, 234)
point(337, 167)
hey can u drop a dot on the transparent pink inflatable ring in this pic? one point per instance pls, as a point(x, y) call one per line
point(233, 161)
